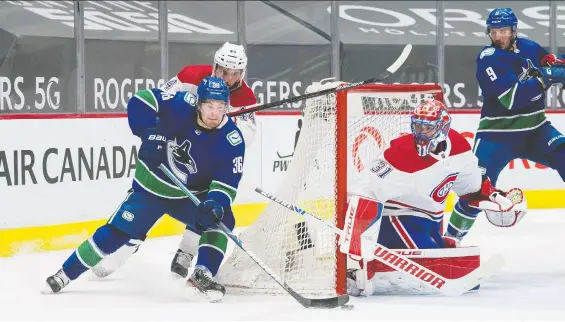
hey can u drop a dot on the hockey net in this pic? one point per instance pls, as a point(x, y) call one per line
point(340, 133)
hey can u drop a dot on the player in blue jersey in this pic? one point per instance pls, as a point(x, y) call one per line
point(201, 145)
point(513, 73)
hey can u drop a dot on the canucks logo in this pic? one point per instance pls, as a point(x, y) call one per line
point(180, 161)
point(528, 73)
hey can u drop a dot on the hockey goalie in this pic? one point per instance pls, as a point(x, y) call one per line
point(399, 201)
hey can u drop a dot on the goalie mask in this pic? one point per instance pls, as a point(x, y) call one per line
point(430, 125)
point(213, 101)
point(230, 63)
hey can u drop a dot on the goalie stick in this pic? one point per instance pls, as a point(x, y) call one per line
point(389, 71)
point(448, 287)
point(331, 302)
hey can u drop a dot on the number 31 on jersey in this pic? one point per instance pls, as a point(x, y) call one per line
point(381, 169)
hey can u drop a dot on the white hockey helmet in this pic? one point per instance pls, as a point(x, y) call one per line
point(231, 56)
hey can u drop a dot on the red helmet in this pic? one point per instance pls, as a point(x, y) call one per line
point(430, 125)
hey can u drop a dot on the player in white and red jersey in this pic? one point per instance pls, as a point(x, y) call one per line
point(400, 198)
point(230, 64)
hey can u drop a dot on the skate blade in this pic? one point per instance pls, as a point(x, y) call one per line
point(47, 290)
point(210, 296)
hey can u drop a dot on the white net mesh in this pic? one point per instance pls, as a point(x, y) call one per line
point(300, 251)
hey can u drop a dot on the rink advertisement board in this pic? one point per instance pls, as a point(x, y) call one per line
point(122, 55)
point(61, 178)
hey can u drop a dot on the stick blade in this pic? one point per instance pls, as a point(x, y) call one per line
point(469, 281)
point(400, 60)
point(327, 303)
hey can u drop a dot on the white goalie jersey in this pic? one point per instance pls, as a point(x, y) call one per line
point(408, 184)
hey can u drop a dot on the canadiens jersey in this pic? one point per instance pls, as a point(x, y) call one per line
point(215, 157)
point(513, 102)
point(190, 77)
point(408, 184)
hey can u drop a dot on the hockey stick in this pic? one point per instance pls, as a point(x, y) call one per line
point(449, 287)
point(389, 71)
point(331, 302)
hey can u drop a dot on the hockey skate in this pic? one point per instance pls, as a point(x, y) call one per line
point(56, 282)
point(202, 280)
point(181, 263)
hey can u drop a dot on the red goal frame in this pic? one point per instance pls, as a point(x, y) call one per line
point(341, 151)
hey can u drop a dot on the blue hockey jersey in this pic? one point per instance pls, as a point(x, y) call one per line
point(512, 102)
point(215, 157)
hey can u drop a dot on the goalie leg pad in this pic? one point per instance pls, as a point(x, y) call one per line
point(361, 227)
point(378, 278)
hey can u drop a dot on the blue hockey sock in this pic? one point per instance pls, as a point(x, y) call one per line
point(105, 240)
point(461, 220)
point(211, 250)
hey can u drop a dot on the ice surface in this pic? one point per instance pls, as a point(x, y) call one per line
point(530, 287)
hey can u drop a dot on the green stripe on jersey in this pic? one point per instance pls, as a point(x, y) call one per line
point(522, 122)
point(228, 190)
point(147, 97)
point(157, 186)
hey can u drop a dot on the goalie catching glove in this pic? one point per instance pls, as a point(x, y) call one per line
point(503, 209)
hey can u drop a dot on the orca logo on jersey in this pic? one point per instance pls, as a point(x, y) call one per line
point(181, 154)
point(440, 193)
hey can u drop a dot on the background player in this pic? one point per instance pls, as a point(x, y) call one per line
point(513, 122)
point(230, 64)
point(402, 195)
point(201, 145)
